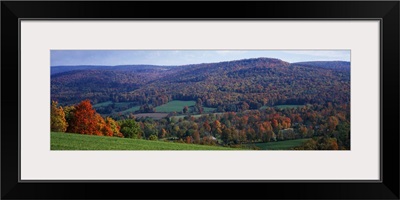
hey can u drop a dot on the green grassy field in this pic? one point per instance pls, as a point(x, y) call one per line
point(106, 103)
point(174, 106)
point(196, 116)
point(208, 109)
point(183, 116)
point(71, 141)
point(122, 104)
point(282, 106)
point(130, 110)
point(281, 145)
point(102, 104)
point(151, 115)
point(288, 106)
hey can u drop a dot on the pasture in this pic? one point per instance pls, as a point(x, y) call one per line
point(102, 104)
point(151, 115)
point(130, 110)
point(183, 116)
point(174, 106)
point(196, 116)
point(282, 106)
point(208, 109)
point(122, 104)
point(288, 106)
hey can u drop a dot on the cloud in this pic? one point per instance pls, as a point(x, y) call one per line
point(339, 54)
point(230, 52)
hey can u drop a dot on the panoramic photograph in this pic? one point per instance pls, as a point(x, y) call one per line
point(241, 100)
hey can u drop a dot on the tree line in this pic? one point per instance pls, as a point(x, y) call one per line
point(328, 125)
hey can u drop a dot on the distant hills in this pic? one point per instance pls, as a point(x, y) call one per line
point(343, 65)
point(226, 85)
point(141, 68)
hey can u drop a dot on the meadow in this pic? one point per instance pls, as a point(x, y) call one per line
point(151, 115)
point(174, 106)
point(288, 106)
point(73, 141)
point(283, 106)
point(102, 104)
point(195, 116)
point(130, 110)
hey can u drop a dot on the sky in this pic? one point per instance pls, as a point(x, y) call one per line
point(183, 57)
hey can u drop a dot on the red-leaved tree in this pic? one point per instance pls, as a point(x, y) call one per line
point(85, 120)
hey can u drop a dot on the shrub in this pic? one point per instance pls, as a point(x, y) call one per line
point(153, 137)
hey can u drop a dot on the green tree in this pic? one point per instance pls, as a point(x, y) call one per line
point(130, 129)
point(149, 129)
point(226, 135)
point(153, 137)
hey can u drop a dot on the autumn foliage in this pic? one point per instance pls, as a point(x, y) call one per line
point(82, 119)
point(57, 118)
point(85, 120)
point(114, 127)
point(253, 101)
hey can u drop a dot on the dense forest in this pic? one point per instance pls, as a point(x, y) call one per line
point(256, 82)
point(234, 103)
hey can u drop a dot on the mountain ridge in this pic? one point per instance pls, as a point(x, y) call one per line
point(257, 82)
point(134, 67)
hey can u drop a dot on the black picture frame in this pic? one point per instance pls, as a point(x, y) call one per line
point(13, 11)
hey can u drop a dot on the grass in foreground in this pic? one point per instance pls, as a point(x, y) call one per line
point(72, 141)
point(281, 145)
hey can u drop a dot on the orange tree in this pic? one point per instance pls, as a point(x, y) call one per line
point(84, 120)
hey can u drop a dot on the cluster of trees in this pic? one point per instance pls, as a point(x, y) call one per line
point(83, 119)
point(269, 125)
point(328, 125)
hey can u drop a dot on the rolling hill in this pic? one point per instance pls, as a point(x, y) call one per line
point(338, 65)
point(225, 85)
point(124, 68)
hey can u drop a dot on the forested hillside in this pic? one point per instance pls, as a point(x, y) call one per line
point(256, 82)
point(338, 65)
point(241, 104)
